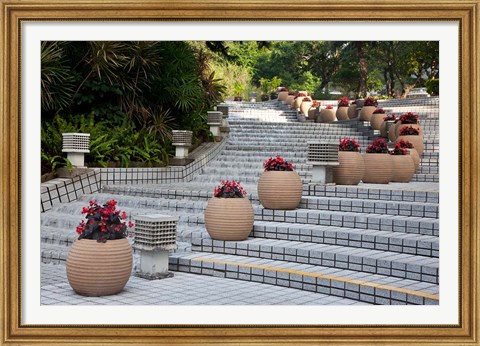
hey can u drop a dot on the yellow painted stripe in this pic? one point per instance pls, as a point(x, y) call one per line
point(322, 276)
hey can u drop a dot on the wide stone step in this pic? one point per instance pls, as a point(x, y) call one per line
point(394, 264)
point(367, 287)
point(426, 178)
point(408, 243)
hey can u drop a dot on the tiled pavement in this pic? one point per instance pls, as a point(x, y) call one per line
point(183, 289)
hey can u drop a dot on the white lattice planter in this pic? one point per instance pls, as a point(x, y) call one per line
point(76, 145)
point(182, 140)
point(214, 120)
point(323, 156)
point(155, 235)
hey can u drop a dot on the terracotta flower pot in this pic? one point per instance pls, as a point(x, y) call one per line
point(416, 140)
point(403, 168)
point(415, 157)
point(313, 113)
point(280, 190)
point(366, 113)
point(352, 111)
point(378, 168)
point(229, 218)
point(376, 121)
point(342, 113)
point(305, 106)
point(400, 126)
point(383, 130)
point(298, 102)
point(392, 136)
point(282, 95)
point(327, 115)
point(351, 168)
point(99, 269)
point(290, 99)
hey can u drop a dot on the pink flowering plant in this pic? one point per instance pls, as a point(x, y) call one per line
point(404, 144)
point(229, 189)
point(343, 101)
point(409, 118)
point(390, 117)
point(379, 111)
point(370, 101)
point(348, 144)
point(409, 131)
point(277, 164)
point(378, 146)
point(104, 222)
point(398, 150)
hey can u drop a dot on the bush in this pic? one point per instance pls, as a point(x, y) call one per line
point(433, 86)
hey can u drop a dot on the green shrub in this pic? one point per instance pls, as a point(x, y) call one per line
point(432, 86)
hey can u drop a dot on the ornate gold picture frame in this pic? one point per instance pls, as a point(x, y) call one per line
point(15, 12)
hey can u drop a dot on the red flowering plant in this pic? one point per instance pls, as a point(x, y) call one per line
point(404, 144)
point(409, 118)
point(229, 189)
point(370, 101)
point(378, 146)
point(343, 101)
point(398, 150)
point(390, 117)
point(316, 104)
point(306, 99)
point(300, 95)
point(379, 111)
point(282, 89)
point(329, 107)
point(104, 222)
point(409, 131)
point(291, 93)
point(348, 144)
point(277, 164)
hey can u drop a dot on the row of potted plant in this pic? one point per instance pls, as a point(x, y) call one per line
point(377, 165)
point(229, 214)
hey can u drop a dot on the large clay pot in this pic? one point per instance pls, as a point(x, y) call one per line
point(401, 126)
point(290, 99)
point(327, 115)
point(99, 269)
point(377, 120)
point(392, 134)
point(383, 130)
point(280, 190)
point(229, 218)
point(366, 113)
point(403, 168)
point(378, 168)
point(352, 111)
point(298, 102)
point(416, 140)
point(305, 106)
point(351, 169)
point(313, 113)
point(342, 113)
point(415, 157)
point(282, 95)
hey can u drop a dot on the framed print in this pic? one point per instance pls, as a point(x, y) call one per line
point(433, 264)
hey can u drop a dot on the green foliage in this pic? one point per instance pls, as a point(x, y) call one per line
point(433, 86)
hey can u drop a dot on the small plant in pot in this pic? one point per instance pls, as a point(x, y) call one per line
point(327, 115)
point(408, 119)
point(412, 135)
point(238, 89)
point(313, 112)
point(411, 149)
point(298, 100)
point(351, 167)
point(305, 105)
point(378, 163)
point(279, 186)
point(290, 98)
point(102, 240)
point(266, 86)
point(377, 118)
point(387, 123)
point(275, 84)
point(229, 215)
point(403, 166)
point(369, 106)
point(342, 110)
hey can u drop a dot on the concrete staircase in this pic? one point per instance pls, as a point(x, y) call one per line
point(376, 244)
